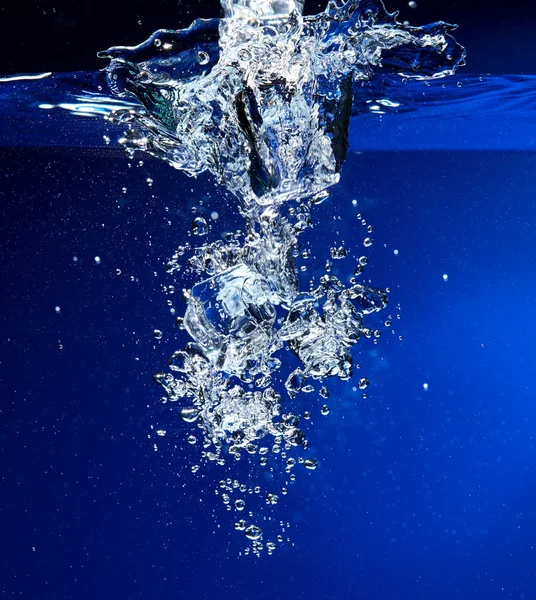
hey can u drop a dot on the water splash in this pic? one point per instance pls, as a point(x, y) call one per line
point(262, 100)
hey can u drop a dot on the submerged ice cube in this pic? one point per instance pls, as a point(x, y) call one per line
point(231, 316)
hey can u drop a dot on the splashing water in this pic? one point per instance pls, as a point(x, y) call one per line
point(262, 100)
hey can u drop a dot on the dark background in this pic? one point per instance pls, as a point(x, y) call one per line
point(419, 495)
point(61, 35)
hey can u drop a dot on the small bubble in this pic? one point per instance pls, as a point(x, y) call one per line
point(118, 271)
point(354, 202)
point(253, 532)
point(363, 383)
point(324, 392)
point(149, 181)
point(157, 334)
point(161, 432)
point(188, 415)
point(97, 260)
point(325, 410)
point(214, 215)
point(240, 504)
point(240, 525)
point(445, 277)
point(75, 258)
point(57, 309)
point(310, 463)
point(395, 252)
point(412, 4)
point(202, 58)
point(199, 226)
point(192, 439)
point(367, 242)
point(425, 386)
point(338, 253)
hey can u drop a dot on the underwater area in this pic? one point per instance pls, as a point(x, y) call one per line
point(268, 316)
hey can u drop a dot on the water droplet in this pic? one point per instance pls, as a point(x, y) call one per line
point(367, 242)
point(325, 410)
point(192, 439)
point(240, 504)
point(324, 392)
point(157, 334)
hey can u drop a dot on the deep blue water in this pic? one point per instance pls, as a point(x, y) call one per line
point(419, 494)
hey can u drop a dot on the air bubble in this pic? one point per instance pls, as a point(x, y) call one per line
point(253, 532)
point(188, 415)
point(199, 226)
point(363, 383)
point(202, 58)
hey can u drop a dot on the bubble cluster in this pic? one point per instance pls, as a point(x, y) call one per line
point(264, 105)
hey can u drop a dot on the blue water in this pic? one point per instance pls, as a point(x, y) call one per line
point(420, 493)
